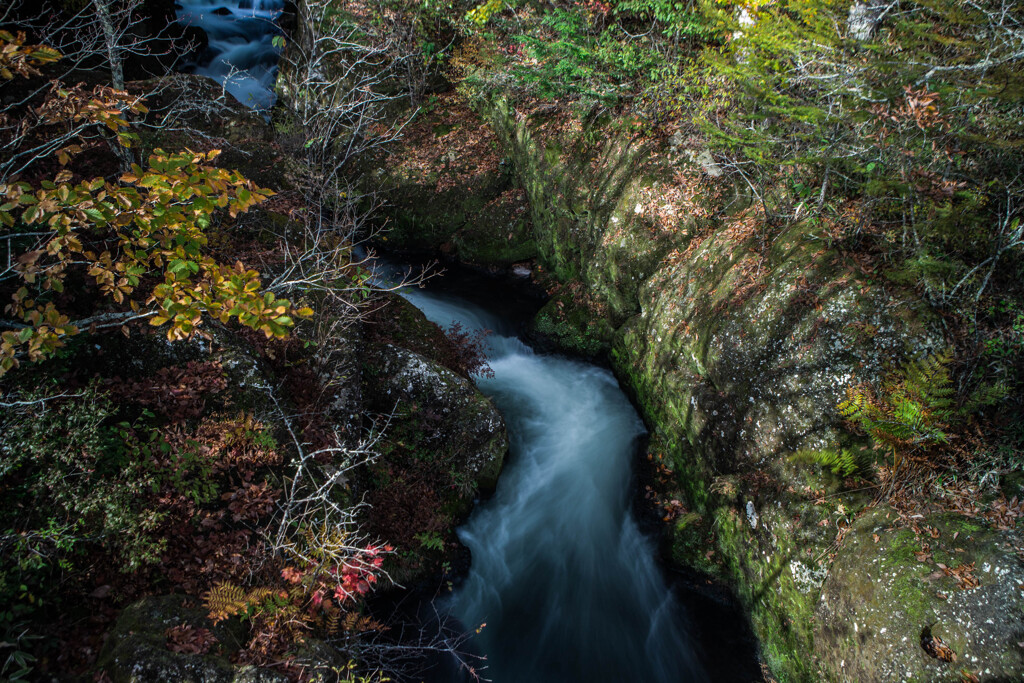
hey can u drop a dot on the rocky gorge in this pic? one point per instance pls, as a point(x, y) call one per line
point(737, 351)
point(744, 336)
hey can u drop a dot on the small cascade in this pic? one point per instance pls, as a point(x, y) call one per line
point(241, 53)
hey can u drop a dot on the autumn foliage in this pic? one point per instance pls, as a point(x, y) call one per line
point(141, 239)
point(138, 478)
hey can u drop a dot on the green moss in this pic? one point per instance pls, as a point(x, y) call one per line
point(689, 543)
point(582, 193)
point(572, 327)
point(780, 613)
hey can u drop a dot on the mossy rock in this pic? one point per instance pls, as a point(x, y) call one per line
point(444, 443)
point(136, 648)
point(572, 327)
point(591, 222)
point(450, 415)
point(408, 375)
point(885, 588)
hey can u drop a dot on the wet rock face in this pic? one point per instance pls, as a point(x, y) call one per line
point(454, 412)
point(743, 368)
point(591, 209)
point(436, 411)
point(441, 443)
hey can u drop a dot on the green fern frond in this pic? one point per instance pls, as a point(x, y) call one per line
point(927, 380)
point(909, 414)
point(988, 394)
point(855, 404)
point(842, 462)
point(912, 407)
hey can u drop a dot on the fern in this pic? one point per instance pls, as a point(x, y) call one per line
point(225, 600)
point(927, 381)
point(842, 462)
point(987, 394)
point(913, 407)
point(357, 623)
point(857, 403)
point(331, 619)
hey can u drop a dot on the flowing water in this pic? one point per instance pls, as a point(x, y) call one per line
point(561, 575)
point(565, 581)
point(240, 53)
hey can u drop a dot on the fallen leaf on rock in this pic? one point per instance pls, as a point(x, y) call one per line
point(934, 646)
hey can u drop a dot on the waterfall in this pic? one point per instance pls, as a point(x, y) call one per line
point(240, 53)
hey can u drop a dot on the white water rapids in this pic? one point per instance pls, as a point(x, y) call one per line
point(568, 586)
point(240, 54)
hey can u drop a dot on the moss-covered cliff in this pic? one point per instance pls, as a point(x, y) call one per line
point(737, 343)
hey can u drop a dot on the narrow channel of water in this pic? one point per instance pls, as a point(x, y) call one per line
point(566, 583)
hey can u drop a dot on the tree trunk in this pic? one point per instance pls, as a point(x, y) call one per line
point(110, 38)
point(862, 20)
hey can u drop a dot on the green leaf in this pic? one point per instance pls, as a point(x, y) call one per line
point(96, 215)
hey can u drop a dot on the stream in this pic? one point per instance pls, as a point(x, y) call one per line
point(561, 574)
point(566, 583)
point(240, 54)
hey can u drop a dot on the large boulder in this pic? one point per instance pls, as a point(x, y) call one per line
point(458, 424)
point(163, 639)
point(137, 648)
point(886, 596)
point(442, 443)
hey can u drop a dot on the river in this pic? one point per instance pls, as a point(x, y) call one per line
point(241, 54)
